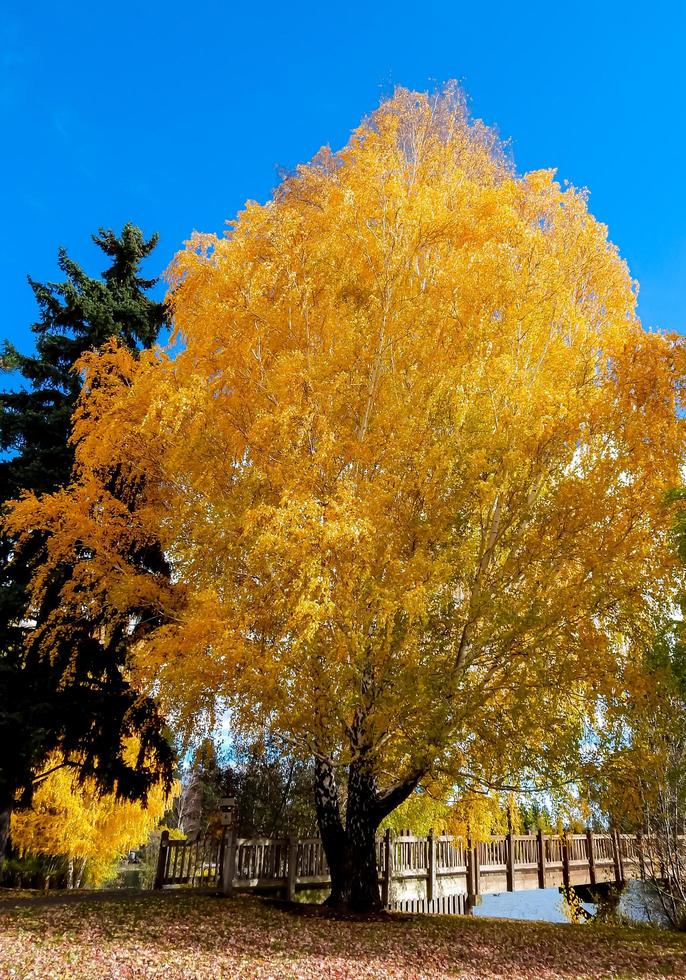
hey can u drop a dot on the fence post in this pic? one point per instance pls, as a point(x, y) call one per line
point(591, 857)
point(229, 863)
point(509, 867)
point(292, 867)
point(387, 869)
point(431, 876)
point(161, 860)
point(616, 856)
point(541, 858)
point(565, 861)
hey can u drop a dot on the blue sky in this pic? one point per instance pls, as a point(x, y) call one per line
point(173, 115)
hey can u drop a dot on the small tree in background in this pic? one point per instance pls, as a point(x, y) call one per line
point(202, 784)
point(273, 790)
point(640, 782)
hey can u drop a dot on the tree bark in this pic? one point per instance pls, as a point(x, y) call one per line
point(331, 830)
point(363, 816)
point(351, 848)
point(79, 873)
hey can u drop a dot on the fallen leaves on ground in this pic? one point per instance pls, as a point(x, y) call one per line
point(180, 935)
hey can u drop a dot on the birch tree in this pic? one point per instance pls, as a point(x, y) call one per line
point(408, 462)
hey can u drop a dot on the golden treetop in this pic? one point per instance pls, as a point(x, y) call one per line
point(408, 458)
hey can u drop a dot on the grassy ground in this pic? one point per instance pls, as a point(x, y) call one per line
point(183, 936)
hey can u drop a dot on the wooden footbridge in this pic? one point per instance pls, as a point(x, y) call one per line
point(436, 873)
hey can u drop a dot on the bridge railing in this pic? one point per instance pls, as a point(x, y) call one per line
point(525, 851)
point(436, 861)
point(451, 854)
point(261, 859)
point(603, 850)
point(196, 864)
point(493, 853)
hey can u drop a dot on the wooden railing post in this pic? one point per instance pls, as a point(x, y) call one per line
point(509, 867)
point(565, 861)
point(431, 870)
point(620, 857)
point(591, 857)
point(228, 863)
point(473, 871)
point(292, 867)
point(614, 836)
point(388, 868)
point(541, 858)
point(477, 869)
point(161, 860)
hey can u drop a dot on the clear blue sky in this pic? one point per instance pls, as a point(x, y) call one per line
point(172, 115)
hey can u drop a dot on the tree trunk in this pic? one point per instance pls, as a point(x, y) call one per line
point(363, 816)
point(327, 805)
point(79, 873)
point(351, 849)
point(5, 817)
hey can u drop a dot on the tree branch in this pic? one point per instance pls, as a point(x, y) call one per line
point(44, 775)
point(396, 794)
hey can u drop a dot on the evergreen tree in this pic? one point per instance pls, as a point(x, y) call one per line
point(76, 316)
point(78, 700)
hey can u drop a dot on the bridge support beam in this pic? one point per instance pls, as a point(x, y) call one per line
point(566, 881)
point(541, 859)
point(473, 876)
point(509, 868)
point(292, 867)
point(591, 858)
point(388, 868)
point(161, 860)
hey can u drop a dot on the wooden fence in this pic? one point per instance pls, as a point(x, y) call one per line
point(457, 904)
point(440, 866)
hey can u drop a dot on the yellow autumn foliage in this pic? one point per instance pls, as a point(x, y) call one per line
point(475, 817)
point(408, 459)
point(75, 820)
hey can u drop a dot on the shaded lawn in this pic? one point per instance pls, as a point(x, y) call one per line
point(184, 936)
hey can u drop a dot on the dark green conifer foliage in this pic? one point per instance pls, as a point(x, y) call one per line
point(77, 315)
point(78, 700)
